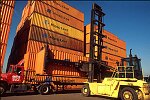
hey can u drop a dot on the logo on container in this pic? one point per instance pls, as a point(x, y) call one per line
point(48, 10)
point(44, 35)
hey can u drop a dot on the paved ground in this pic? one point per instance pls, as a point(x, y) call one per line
point(66, 96)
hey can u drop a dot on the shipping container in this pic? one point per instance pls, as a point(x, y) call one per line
point(50, 37)
point(61, 72)
point(30, 75)
point(7, 13)
point(58, 15)
point(55, 26)
point(60, 5)
point(2, 52)
point(50, 12)
point(111, 49)
point(9, 2)
point(5, 32)
point(7, 8)
point(115, 48)
point(30, 59)
point(56, 52)
point(109, 38)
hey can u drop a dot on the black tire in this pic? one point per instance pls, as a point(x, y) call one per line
point(128, 93)
point(35, 90)
point(2, 89)
point(44, 89)
point(85, 90)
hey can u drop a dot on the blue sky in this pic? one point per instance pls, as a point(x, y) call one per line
point(129, 20)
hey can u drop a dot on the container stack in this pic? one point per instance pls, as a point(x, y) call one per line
point(57, 25)
point(115, 48)
point(7, 8)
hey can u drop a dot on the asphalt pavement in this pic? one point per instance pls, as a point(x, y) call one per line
point(65, 96)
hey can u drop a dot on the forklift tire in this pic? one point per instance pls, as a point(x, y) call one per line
point(2, 89)
point(128, 93)
point(85, 90)
point(44, 89)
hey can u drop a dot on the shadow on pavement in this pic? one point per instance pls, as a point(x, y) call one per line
point(59, 92)
point(19, 94)
point(33, 93)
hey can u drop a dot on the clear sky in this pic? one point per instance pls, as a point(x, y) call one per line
point(129, 20)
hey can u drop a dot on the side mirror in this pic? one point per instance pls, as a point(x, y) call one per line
point(19, 73)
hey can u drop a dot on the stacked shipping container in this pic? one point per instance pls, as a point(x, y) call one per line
point(60, 27)
point(7, 8)
point(116, 48)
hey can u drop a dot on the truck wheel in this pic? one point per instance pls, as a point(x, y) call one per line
point(85, 91)
point(128, 93)
point(44, 89)
point(2, 89)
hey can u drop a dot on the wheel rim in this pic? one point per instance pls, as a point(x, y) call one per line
point(127, 95)
point(85, 90)
point(45, 89)
point(1, 90)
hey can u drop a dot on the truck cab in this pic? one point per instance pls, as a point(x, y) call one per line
point(15, 75)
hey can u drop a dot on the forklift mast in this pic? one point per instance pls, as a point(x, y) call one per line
point(96, 42)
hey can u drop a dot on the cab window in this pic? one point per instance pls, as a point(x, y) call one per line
point(17, 71)
point(10, 69)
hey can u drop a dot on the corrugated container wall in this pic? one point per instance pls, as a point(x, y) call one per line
point(116, 48)
point(61, 28)
point(7, 9)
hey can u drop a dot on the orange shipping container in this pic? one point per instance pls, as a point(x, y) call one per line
point(51, 12)
point(66, 9)
point(50, 24)
point(2, 52)
point(58, 15)
point(9, 2)
point(7, 8)
point(29, 61)
point(45, 36)
point(110, 38)
point(7, 13)
point(56, 52)
point(122, 44)
point(53, 68)
point(111, 49)
point(5, 32)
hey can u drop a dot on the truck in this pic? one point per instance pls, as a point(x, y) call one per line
point(15, 81)
point(17, 78)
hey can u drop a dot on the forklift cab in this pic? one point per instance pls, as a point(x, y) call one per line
point(124, 72)
point(136, 63)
